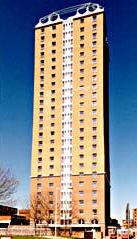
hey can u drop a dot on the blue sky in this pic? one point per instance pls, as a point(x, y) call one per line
point(17, 21)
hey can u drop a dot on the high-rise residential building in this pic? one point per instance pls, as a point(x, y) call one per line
point(70, 146)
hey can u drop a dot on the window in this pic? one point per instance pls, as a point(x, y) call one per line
point(81, 95)
point(81, 29)
point(81, 165)
point(41, 102)
point(42, 46)
point(94, 164)
point(94, 183)
point(51, 175)
point(52, 124)
point(50, 193)
point(81, 37)
point(94, 120)
point(40, 143)
point(51, 166)
point(41, 118)
point(51, 184)
point(81, 129)
point(81, 103)
point(94, 43)
point(81, 146)
point(41, 78)
point(39, 159)
point(52, 116)
point(39, 168)
point(81, 45)
point(53, 43)
point(94, 174)
point(94, 26)
point(41, 110)
point(52, 132)
point(40, 126)
point(94, 202)
point(42, 38)
point(53, 59)
point(51, 158)
point(53, 83)
point(81, 20)
point(81, 173)
point(94, 78)
point(94, 52)
point(52, 91)
point(52, 107)
point(42, 70)
point(52, 141)
point(52, 99)
point(94, 137)
point(39, 185)
point(53, 51)
point(94, 192)
point(81, 53)
point(81, 121)
point(94, 35)
point(54, 35)
point(81, 70)
point(81, 78)
point(94, 112)
point(42, 54)
point(81, 62)
point(53, 67)
point(94, 86)
point(51, 149)
point(94, 103)
point(38, 194)
point(94, 69)
point(41, 86)
point(94, 146)
point(81, 192)
point(53, 75)
point(94, 211)
point(81, 183)
point(94, 155)
point(94, 18)
point(81, 138)
point(42, 30)
point(81, 211)
point(81, 112)
point(81, 155)
point(81, 202)
point(53, 27)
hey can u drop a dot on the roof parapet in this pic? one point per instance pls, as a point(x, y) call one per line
point(79, 10)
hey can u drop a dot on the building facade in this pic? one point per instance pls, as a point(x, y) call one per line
point(70, 146)
point(135, 217)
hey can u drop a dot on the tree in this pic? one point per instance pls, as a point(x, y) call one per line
point(8, 186)
point(41, 209)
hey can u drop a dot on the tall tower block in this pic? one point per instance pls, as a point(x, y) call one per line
point(70, 146)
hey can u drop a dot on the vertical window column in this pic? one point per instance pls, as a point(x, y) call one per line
point(66, 163)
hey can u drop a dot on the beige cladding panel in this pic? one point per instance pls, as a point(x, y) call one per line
point(87, 91)
point(47, 112)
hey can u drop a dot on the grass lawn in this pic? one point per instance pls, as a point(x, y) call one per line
point(35, 237)
point(27, 237)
